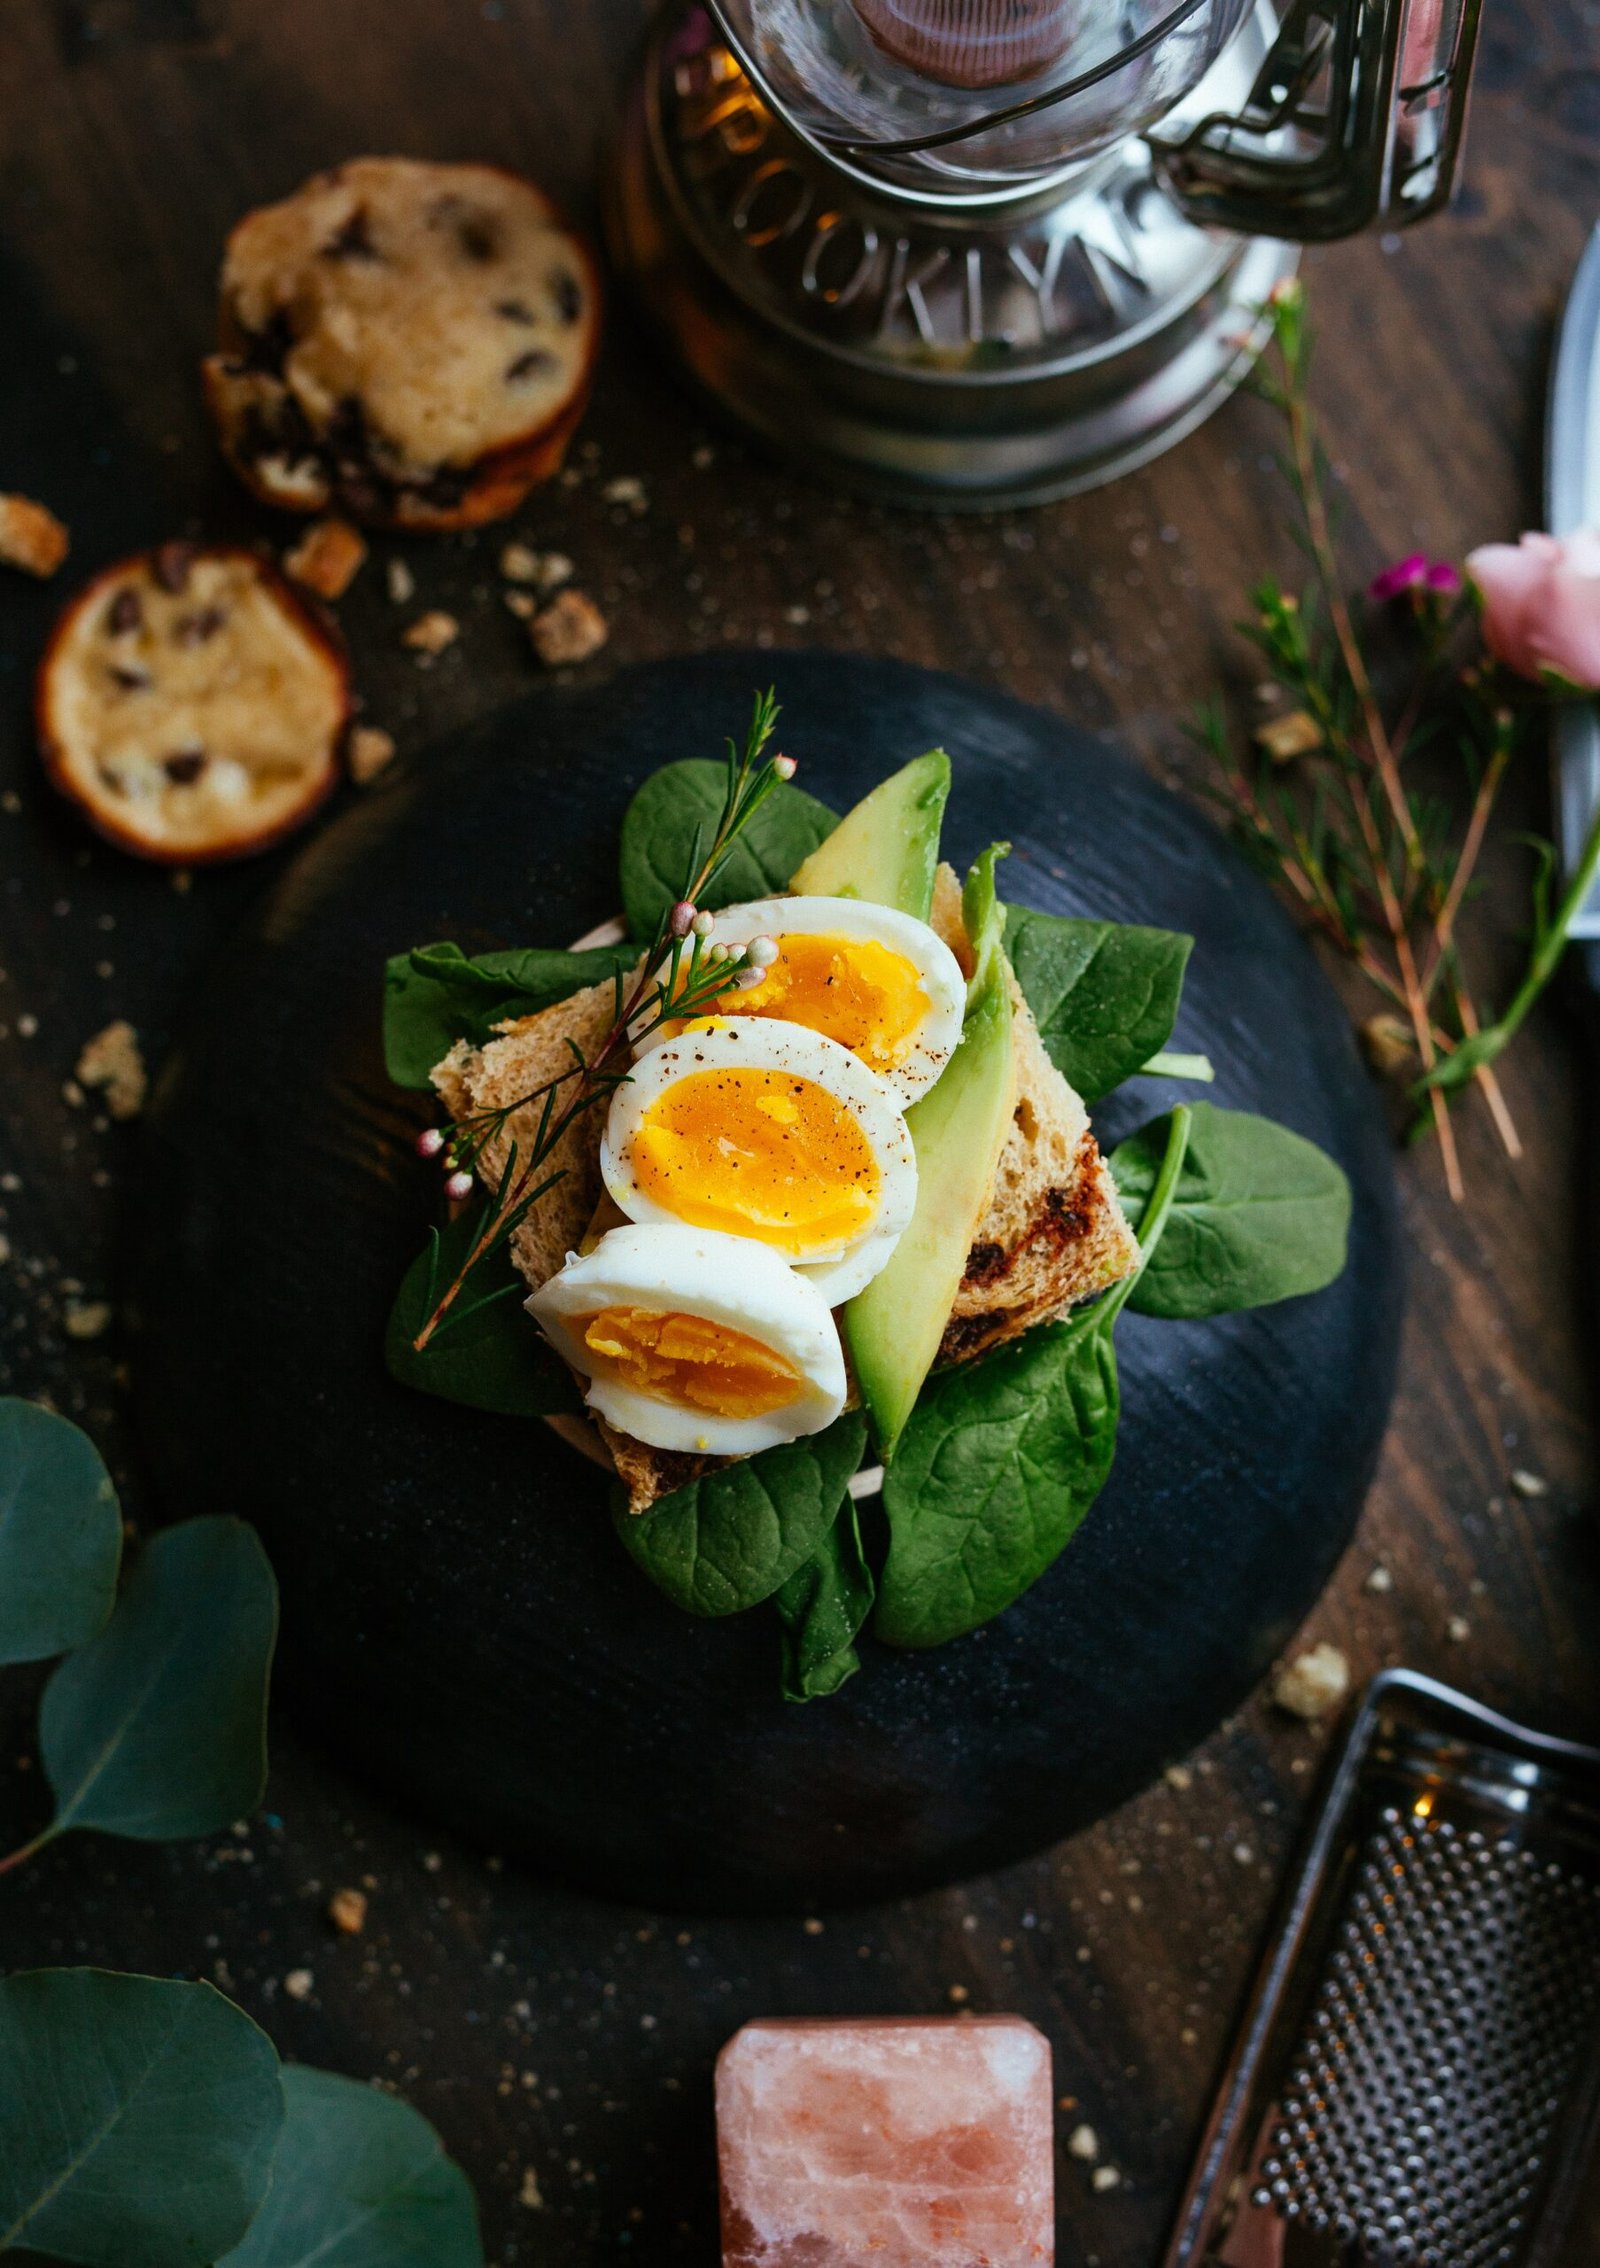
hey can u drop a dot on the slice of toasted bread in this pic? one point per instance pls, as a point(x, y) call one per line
point(1054, 1232)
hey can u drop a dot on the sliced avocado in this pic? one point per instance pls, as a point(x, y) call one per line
point(959, 1128)
point(886, 848)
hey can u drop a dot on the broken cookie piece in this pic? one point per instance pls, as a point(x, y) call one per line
point(193, 705)
point(31, 537)
point(411, 341)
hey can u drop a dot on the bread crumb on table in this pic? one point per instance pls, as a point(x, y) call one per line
point(31, 537)
point(370, 751)
point(1084, 2143)
point(112, 1062)
point(570, 629)
point(431, 632)
point(86, 1318)
point(299, 1983)
point(400, 583)
point(327, 558)
point(1312, 1684)
point(347, 1910)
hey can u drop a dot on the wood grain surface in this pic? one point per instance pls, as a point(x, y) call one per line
point(565, 2048)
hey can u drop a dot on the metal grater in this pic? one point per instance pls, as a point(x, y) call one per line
point(1418, 2082)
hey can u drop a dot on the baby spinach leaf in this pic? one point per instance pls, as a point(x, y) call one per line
point(489, 1356)
point(60, 1535)
point(681, 804)
point(997, 1466)
point(437, 995)
point(138, 2118)
point(822, 1607)
point(1260, 1215)
point(731, 1539)
point(1001, 1460)
point(157, 1728)
point(360, 2181)
point(1104, 996)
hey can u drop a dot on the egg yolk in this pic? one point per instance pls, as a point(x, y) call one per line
point(761, 1153)
point(853, 989)
point(679, 1358)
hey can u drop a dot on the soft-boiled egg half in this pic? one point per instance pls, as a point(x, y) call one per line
point(769, 1132)
point(879, 982)
point(689, 1340)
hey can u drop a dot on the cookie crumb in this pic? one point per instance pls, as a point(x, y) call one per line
point(400, 583)
point(628, 490)
point(431, 633)
point(298, 1984)
point(519, 563)
point(31, 537)
point(1083, 2143)
point(570, 629)
point(327, 558)
point(112, 1061)
point(1387, 1044)
point(370, 752)
point(347, 1910)
point(1458, 1630)
point(529, 2194)
point(1529, 1484)
point(522, 604)
point(86, 1318)
point(1104, 2178)
point(1178, 1777)
point(1285, 738)
point(1313, 1684)
point(1380, 1580)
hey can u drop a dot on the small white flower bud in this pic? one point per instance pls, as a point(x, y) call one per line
point(458, 1186)
point(785, 767)
point(681, 919)
point(761, 952)
point(748, 979)
point(703, 923)
point(430, 1142)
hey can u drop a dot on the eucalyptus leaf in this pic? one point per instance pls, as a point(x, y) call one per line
point(437, 995)
point(1104, 995)
point(680, 805)
point(360, 2181)
point(1260, 1215)
point(138, 2118)
point(732, 1538)
point(60, 1535)
point(157, 1728)
point(489, 1357)
point(996, 1468)
point(822, 1608)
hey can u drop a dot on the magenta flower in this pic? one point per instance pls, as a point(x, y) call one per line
point(1541, 605)
point(1414, 574)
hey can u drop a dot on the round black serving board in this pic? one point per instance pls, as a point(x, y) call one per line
point(459, 1620)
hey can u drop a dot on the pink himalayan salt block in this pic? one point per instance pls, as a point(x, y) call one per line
point(899, 2142)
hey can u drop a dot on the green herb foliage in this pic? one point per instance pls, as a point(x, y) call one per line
point(437, 995)
point(822, 1608)
point(1104, 995)
point(157, 1728)
point(138, 2118)
point(1001, 1461)
point(490, 1355)
point(1260, 1214)
point(732, 1538)
point(360, 2181)
point(675, 814)
point(60, 1535)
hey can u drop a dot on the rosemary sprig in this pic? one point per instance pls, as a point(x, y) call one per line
point(1324, 802)
point(682, 973)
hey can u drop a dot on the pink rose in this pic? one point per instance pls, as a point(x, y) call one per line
point(1541, 605)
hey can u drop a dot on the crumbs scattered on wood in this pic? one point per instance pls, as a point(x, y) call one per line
point(86, 1318)
point(431, 633)
point(1314, 1683)
point(347, 1910)
point(327, 558)
point(371, 751)
point(400, 583)
point(31, 537)
point(569, 630)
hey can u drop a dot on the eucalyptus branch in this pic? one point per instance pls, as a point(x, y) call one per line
point(682, 973)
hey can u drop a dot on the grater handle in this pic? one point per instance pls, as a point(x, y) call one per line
point(1356, 116)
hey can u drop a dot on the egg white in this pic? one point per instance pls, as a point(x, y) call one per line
point(766, 1043)
point(939, 977)
point(728, 1280)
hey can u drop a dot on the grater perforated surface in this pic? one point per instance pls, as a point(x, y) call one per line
point(1459, 2000)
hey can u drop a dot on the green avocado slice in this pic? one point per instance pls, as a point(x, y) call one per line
point(886, 847)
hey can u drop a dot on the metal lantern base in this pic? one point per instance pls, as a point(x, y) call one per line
point(957, 362)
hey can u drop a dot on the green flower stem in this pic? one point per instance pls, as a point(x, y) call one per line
point(1154, 1218)
point(27, 1851)
point(1549, 944)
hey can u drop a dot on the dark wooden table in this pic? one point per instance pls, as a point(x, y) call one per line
point(565, 2047)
